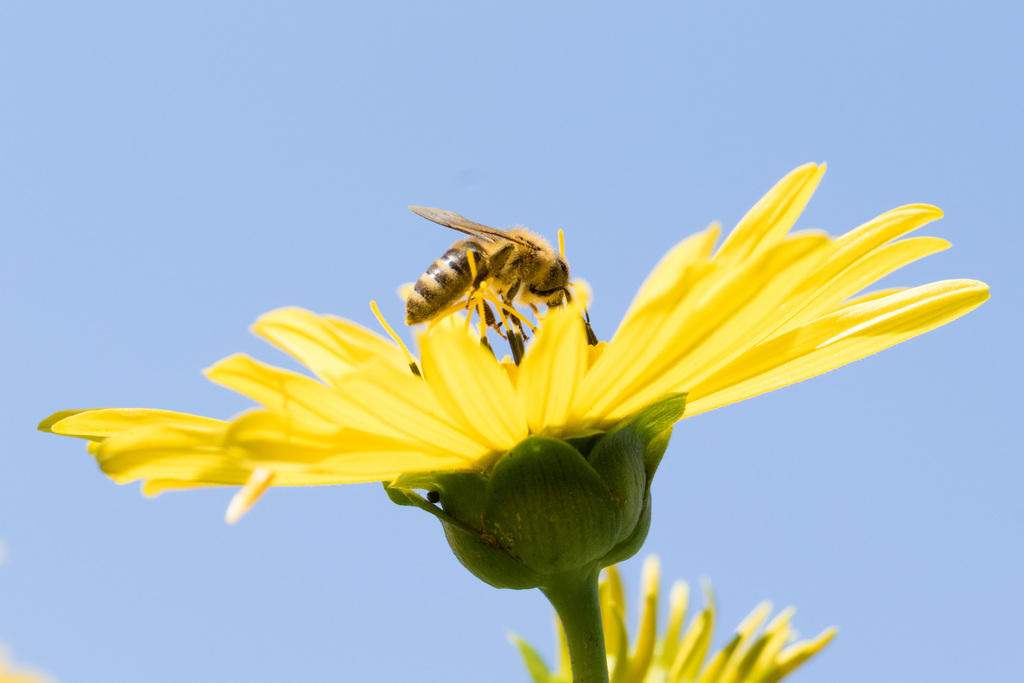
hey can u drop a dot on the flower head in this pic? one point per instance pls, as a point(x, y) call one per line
point(766, 308)
point(758, 652)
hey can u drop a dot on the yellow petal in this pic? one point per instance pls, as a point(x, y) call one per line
point(771, 218)
point(647, 631)
point(837, 339)
point(738, 660)
point(238, 476)
point(411, 412)
point(618, 642)
point(887, 227)
point(847, 270)
point(693, 648)
point(100, 423)
point(798, 653)
point(613, 606)
point(552, 370)
point(863, 298)
point(668, 289)
point(307, 401)
point(471, 386)
point(254, 488)
point(678, 290)
point(820, 297)
point(777, 634)
point(742, 305)
point(754, 619)
point(163, 451)
point(669, 278)
point(713, 670)
point(378, 399)
point(678, 599)
point(330, 347)
point(267, 439)
point(511, 369)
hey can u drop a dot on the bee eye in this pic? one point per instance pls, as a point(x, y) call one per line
point(558, 276)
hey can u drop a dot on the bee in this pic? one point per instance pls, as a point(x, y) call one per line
point(521, 267)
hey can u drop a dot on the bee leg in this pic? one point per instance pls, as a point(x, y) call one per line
point(519, 326)
point(591, 337)
point(515, 339)
point(491, 320)
point(509, 297)
point(515, 343)
point(479, 306)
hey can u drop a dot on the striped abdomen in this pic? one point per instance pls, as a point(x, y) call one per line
point(446, 281)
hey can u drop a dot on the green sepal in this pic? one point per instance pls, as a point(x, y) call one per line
point(585, 441)
point(549, 507)
point(619, 459)
point(398, 496)
point(416, 480)
point(411, 499)
point(657, 417)
point(477, 552)
point(463, 495)
point(654, 426)
point(654, 452)
point(486, 560)
point(630, 545)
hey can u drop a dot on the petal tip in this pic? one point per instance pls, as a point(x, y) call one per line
point(47, 424)
point(276, 316)
point(226, 362)
point(50, 424)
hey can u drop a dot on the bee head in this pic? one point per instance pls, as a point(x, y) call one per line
point(554, 286)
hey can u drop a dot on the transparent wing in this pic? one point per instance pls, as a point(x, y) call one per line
point(457, 222)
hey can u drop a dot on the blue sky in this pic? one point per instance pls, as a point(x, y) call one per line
point(169, 172)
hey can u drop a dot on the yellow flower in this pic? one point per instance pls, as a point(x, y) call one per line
point(765, 309)
point(753, 655)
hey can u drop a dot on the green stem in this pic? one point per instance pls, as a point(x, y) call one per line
point(575, 599)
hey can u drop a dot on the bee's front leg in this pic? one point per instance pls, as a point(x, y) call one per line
point(492, 321)
point(515, 339)
point(509, 297)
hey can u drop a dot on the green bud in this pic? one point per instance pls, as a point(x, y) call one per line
point(551, 507)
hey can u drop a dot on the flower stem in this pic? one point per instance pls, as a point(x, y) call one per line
point(575, 598)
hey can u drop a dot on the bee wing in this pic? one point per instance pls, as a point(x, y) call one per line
point(457, 222)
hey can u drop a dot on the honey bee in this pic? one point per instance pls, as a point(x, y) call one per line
point(521, 267)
